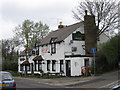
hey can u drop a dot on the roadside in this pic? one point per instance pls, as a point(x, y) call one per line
point(61, 81)
point(82, 82)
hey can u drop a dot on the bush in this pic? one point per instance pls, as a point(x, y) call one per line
point(10, 65)
point(108, 55)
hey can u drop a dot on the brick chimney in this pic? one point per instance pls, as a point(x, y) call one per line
point(90, 33)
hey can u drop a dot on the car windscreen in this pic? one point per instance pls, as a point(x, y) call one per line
point(5, 76)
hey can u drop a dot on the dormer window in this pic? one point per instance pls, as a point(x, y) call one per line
point(78, 36)
point(53, 40)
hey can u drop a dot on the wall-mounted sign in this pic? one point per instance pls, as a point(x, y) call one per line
point(45, 50)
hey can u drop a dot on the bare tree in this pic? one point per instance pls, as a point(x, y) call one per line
point(105, 12)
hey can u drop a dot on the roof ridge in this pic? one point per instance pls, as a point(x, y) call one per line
point(62, 33)
point(69, 26)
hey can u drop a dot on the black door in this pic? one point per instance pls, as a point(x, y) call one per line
point(86, 62)
point(32, 70)
point(68, 68)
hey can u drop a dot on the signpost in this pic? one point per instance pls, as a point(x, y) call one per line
point(94, 51)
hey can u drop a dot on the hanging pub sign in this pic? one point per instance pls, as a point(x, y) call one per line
point(33, 52)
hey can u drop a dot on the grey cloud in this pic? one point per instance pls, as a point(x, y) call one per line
point(15, 13)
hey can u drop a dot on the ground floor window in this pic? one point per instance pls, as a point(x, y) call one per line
point(48, 65)
point(28, 67)
point(35, 65)
point(21, 67)
point(39, 65)
point(61, 66)
point(53, 65)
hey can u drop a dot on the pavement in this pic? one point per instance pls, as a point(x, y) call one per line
point(79, 81)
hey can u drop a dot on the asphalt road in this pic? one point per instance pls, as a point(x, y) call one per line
point(107, 80)
point(31, 84)
point(103, 81)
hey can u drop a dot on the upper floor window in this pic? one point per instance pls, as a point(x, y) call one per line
point(53, 45)
point(22, 58)
point(78, 36)
point(53, 48)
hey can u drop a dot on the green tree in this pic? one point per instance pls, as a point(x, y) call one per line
point(109, 55)
point(31, 32)
point(111, 49)
point(105, 12)
point(9, 54)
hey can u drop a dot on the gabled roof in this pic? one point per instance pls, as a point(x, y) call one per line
point(61, 34)
point(38, 58)
point(23, 53)
point(25, 63)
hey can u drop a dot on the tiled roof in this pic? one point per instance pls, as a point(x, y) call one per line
point(26, 63)
point(61, 34)
point(23, 53)
point(38, 58)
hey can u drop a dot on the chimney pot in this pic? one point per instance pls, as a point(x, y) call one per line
point(60, 25)
point(85, 12)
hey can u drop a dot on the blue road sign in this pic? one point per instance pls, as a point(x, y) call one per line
point(93, 50)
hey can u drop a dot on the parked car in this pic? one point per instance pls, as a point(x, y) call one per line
point(116, 87)
point(6, 81)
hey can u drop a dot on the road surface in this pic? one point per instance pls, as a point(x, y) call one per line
point(103, 81)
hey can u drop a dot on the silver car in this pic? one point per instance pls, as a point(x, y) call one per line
point(6, 81)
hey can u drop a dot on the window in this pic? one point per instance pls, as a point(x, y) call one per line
point(53, 65)
point(53, 45)
point(74, 49)
point(53, 48)
point(28, 68)
point(61, 66)
point(48, 65)
point(21, 67)
point(35, 65)
point(39, 66)
point(37, 50)
point(22, 58)
point(78, 36)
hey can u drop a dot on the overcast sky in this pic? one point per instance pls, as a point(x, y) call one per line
point(50, 12)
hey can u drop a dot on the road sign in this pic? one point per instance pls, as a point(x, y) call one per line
point(93, 50)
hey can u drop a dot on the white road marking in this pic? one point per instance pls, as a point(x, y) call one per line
point(110, 84)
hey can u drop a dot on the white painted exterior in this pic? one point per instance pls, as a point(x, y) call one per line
point(62, 49)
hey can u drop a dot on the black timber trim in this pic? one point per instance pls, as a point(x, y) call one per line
point(78, 55)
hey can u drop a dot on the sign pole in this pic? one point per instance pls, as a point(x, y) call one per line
point(94, 51)
point(94, 62)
